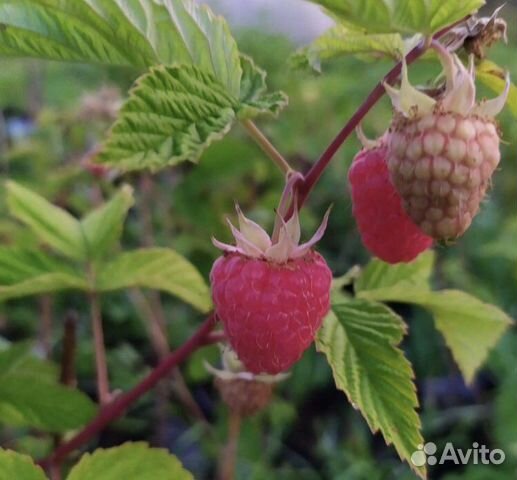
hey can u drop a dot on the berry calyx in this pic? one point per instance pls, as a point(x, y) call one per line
point(442, 152)
point(270, 296)
point(243, 392)
point(385, 228)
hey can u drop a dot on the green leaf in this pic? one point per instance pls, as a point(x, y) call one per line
point(26, 272)
point(139, 33)
point(380, 280)
point(254, 99)
point(30, 394)
point(359, 339)
point(131, 461)
point(19, 358)
point(15, 466)
point(26, 400)
point(171, 116)
point(400, 16)
point(103, 227)
point(158, 269)
point(494, 77)
point(340, 40)
point(52, 225)
point(176, 110)
point(470, 327)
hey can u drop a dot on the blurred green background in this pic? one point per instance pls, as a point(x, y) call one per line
point(309, 431)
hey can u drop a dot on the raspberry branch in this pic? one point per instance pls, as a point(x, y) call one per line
point(116, 408)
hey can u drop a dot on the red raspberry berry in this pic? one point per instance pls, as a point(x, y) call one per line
point(271, 297)
point(386, 229)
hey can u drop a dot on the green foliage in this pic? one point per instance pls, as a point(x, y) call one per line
point(31, 396)
point(188, 99)
point(25, 271)
point(254, 99)
point(140, 34)
point(360, 341)
point(381, 279)
point(102, 227)
point(470, 327)
point(131, 460)
point(401, 16)
point(493, 76)
point(174, 113)
point(171, 116)
point(51, 224)
point(14, 465)
point(340, 40)
point(159, 269)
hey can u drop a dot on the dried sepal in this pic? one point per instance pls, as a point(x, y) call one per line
point(459, 96)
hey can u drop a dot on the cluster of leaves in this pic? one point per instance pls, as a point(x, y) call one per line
point(86, 244)
point(360, 338)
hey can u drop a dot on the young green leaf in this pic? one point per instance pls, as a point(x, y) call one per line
point(158, 269)
point(130, 461)
point(359, 339)
point(400, 16)
point(103, 226)
point(340, 40)
point(140, 33)
point(171, 116)
point(379, 279)
point(175, 112)
point(254, 99)
point(27, 272)
point(26, 400)
point(19, 358)
point(470, 327)
point(494, 77)
point(30, 394)
point(14, 466)
point(51, 224)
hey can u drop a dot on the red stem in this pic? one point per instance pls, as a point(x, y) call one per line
point(118, 406)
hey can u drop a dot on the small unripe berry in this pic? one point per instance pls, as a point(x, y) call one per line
point(442, 153)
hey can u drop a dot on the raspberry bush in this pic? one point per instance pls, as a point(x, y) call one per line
point(258, 323)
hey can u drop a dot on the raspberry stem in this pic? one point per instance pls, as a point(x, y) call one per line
point(267, 147)
point(121, 403)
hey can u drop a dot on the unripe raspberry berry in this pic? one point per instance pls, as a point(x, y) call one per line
point(244, 397)
point(442, 153)
point(271, 297)
point(386, 229)
point(243, 392)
